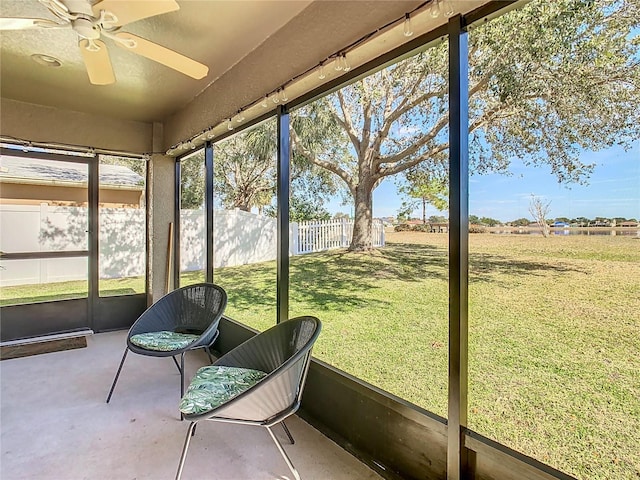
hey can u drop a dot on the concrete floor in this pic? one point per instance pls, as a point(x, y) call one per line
point(56, 425)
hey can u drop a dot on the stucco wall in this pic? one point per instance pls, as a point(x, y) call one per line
point(37, 123)
point(161, 215)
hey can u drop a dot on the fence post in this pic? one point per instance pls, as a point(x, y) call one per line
point(294, 247)
point(343, 234)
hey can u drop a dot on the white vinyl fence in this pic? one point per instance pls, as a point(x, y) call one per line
point(43, 228)
point(317, 236)
point(240, 238)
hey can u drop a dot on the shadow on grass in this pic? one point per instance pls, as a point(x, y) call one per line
point(426, 261)
point(342, 280)
point(336, 279)
point(415, 262)
point(248, 285)
point(483, 268)
point(320, 280)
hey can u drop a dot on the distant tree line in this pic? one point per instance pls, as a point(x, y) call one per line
point(524, 222)
point(578, 221)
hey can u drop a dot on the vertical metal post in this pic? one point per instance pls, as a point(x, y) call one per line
point(148, 287)
point(208, 202)
point(176, 229)
point(283, 185)
point(93, 192)
point(458, 246)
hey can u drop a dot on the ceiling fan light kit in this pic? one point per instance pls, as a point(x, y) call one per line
point(45, 60)
point(103, 20)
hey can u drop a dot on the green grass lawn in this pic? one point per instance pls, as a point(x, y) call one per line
point(554, 350)
point(554, 354)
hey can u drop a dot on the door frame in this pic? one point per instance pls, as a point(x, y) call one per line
point(87, 313)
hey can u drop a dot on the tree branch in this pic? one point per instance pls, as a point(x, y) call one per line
point(347, 122)
point(398, 112)
point(487, 117)
point(332, 167)
point(483, 82)
point(366, 124)
point(416, 145)
point(401, 167)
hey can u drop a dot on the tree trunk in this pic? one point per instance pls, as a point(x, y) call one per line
point(242, 206)
point(424, 211)
point(545, 228)
point(361, 241)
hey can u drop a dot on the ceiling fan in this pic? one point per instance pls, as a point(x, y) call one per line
point(104, 19)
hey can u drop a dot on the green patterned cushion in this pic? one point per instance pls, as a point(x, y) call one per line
point(163, 341)
point(214, 385)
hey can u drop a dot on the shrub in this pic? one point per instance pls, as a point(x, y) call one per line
point(402, 227)
point(420, 228)
point(477, 229)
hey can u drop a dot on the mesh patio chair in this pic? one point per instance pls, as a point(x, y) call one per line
point(184, 319)
point(260, 382)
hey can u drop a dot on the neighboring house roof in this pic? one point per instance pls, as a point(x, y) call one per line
point(47, 172)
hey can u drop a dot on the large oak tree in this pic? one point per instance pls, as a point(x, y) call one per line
point(545, 82)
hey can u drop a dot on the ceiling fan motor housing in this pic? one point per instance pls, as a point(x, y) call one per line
point(86, 28)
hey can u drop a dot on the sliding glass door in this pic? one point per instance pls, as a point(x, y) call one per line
point(44, 267)
point(52, 262)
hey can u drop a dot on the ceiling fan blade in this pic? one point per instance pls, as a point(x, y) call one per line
point(128, 11)
point(97, 62)
point(162, 55)
point(8, 23)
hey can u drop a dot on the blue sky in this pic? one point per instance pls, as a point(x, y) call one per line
point(613, 190)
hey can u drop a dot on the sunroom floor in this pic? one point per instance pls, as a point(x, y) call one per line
point(56, 424)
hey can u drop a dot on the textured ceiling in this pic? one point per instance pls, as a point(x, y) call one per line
point(216, 33)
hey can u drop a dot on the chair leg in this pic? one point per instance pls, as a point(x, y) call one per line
point(115, 380)
point(181, 381)
point(284, 454)
point(182, 375)
point(185, 448)
point(286, 430)
point(177, 364)
point(208, 350)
